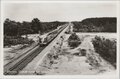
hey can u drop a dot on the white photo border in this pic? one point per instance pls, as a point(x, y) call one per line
point(60, 76)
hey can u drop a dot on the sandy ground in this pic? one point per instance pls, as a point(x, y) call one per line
point(68, 63)
point(35, 37)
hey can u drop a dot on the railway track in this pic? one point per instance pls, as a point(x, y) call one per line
point(21, 55)
point(14, 68)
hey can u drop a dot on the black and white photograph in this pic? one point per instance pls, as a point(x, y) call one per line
point(60, 38)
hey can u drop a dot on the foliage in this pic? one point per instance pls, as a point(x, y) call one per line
point(96, 25)
point(36, 25)
point(13, 28)
point(73, 36)
point(73, 40)
point(8, 40)
point(106, 48)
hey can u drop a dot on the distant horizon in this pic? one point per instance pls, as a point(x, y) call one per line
point(61, 21)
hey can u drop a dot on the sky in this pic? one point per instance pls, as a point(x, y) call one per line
point(57, 11)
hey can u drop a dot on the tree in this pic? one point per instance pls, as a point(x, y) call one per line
point(10, 28)
point(36, 25)
point(73, 40)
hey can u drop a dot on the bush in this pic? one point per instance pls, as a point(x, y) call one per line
point(73, 40)
point(106, 48)
point(9, 40)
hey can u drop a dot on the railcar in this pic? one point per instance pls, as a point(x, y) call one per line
point(50, 36)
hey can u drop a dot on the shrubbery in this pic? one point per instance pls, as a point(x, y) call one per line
point(73, 40)
point(106, 48)
point(8, 41)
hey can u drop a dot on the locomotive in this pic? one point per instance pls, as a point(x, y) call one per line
point(50, 36)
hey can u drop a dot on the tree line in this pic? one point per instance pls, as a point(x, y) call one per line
point(104, 24)
point(13, 28)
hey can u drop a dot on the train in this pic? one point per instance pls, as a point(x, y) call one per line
point(50, 36)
